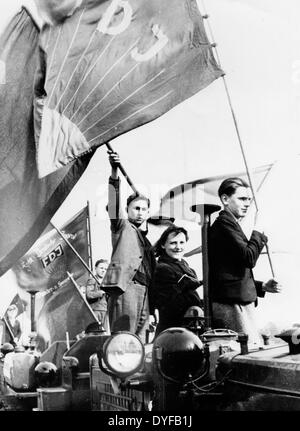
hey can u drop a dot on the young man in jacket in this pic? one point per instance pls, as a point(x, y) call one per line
point(232, 256)
point(95, 296)
point(130, 271)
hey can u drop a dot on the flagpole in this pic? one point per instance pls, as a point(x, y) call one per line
point(214, 45)
point(9, 330)
point(90, 251)
point(126, 176)
point(74, 251)
point(71, 278)
point(121, 168)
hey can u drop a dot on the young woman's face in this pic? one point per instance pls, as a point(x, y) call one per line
point(175, 245)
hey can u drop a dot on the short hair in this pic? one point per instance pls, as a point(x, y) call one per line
point(135, 196)
point(100, 261)
point(229, 186)
point(158, 250)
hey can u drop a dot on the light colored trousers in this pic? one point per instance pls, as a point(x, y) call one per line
point(239, 318)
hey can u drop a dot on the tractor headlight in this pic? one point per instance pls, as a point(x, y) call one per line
point(179, 355)
point(123, 354)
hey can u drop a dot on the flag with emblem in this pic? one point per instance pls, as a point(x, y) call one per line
point(111, 66)
point(60, 307)
point(50, 258)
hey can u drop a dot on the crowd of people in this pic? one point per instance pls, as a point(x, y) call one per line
point(141, 278)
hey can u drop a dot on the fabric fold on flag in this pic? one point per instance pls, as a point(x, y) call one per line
point(63, 311)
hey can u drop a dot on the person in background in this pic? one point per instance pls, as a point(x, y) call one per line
point(174, 283)
point(95, 296)
point(129, 275)
point(232, 257)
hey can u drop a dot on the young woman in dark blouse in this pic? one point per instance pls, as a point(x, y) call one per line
point(175, 283)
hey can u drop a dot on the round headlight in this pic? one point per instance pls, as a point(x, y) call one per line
point(179, 354)
point(123, 354)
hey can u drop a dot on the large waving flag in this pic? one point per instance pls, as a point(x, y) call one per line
point(27, 203)
point(114, 65)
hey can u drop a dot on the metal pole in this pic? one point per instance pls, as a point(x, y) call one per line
point(32, 310)
point(205, 266)
point(205, 210)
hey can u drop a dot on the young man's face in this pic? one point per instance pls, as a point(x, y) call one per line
point(138, 211)
point(101, 269)
point(238, 203)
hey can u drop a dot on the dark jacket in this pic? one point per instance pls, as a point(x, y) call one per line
point(173, 297)
point(231, 259)
point(128, 246)
point(95, 296)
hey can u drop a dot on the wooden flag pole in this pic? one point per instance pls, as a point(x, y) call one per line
point(109, 147)
point(237, 130)
point(71, 278)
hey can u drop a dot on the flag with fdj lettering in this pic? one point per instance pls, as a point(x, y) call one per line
point(112, 66)
point(49, 259)
point(27, 203)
